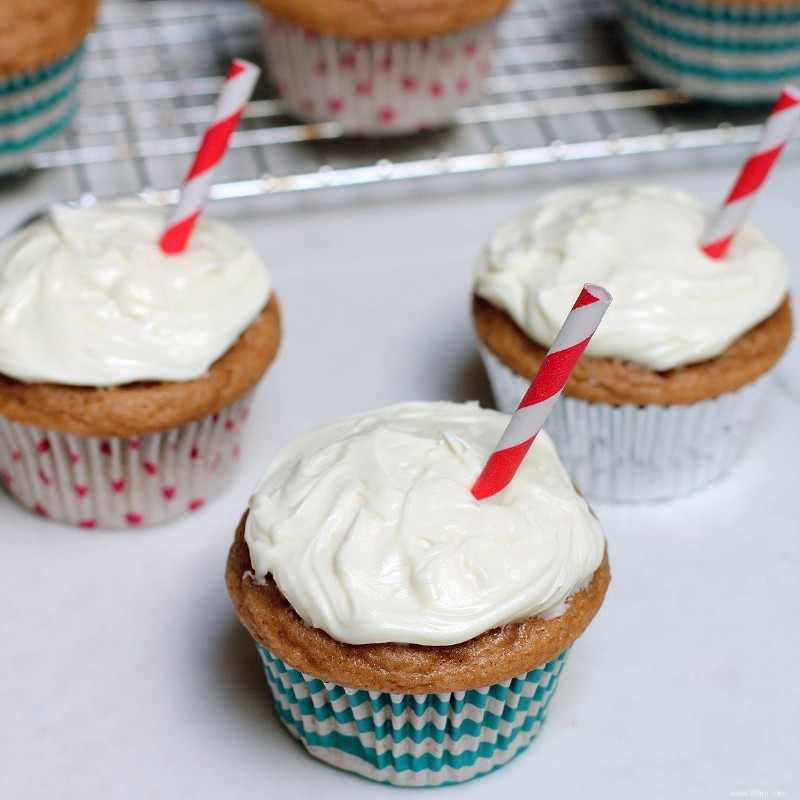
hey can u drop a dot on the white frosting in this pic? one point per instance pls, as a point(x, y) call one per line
point(87, 297)
point(673, 305)
point(370, 530)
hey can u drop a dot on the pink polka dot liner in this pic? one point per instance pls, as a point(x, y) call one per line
point(375, 87)
point(121, 482)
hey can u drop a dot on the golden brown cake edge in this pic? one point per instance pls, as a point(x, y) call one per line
point(140, 408)
point(492, 657)
point(383, 19)
point(615, 382)
point(34, 33)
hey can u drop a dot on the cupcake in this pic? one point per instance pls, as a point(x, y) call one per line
point(731, 50)
point(378, 68)
point(125, 374)
point(40, 57)
point(410, 633)
point(663, 398)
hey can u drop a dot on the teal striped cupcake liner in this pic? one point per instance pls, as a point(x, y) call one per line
point(34, 106)
point(412, 739)
point(735, 53)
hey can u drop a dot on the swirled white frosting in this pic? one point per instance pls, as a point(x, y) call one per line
point(87, 297)
point(673, 305)
point(370, 530)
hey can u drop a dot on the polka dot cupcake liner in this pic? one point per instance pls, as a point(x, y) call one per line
point(121, 482)
point(730, 51)
point(631, 453)
point(415, 739)
point(376, 87)
point(34, 106)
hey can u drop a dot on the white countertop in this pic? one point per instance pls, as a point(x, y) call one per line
point(125, 674)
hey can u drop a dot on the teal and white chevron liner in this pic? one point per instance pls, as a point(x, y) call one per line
point(412, 740)
point(34, 106)
point(735, 53)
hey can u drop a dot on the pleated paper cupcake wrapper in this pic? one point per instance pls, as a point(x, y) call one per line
point(121, 482)
point(736, 52)
point(377, 87)
point(415, 739)
point(631, 453)
point(34, 106)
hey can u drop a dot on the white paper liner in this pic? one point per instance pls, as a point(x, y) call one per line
point(631, 453)
point(412, 740)
point(376, 87)
point(121, 482)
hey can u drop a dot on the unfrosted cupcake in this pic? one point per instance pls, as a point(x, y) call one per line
point(126, 374)
point(40, 57)
point(378, 68)
point(409, 632)
point(731, 50)
point(664, 396)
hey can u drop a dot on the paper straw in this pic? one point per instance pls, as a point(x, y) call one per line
point(236, 91)
point(776, 133)
point(530, 416)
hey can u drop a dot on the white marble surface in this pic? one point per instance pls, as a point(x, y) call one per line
point(123, 670)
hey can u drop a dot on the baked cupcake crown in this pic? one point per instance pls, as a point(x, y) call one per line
point(383, 19)
point(36, 32)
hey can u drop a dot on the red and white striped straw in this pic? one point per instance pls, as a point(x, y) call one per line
point(776, 133)
point(530, 416)
point(236, 91)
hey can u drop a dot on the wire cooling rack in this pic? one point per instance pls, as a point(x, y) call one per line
point(560, 89)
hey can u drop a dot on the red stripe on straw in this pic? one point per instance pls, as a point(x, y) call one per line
point(777, 131)
point(500, 465)
point(789, 97)
point(554, 371)
point(719, 248)
point(176, 236)
point(214, 145)
point(233, 98)
point(753, 174)
point(585, 298)
point(530, 416)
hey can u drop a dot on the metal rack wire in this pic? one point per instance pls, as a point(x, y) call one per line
point(560, 89)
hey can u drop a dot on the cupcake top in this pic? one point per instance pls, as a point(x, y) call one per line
point(369, 528)
point(87, 298)
point(673, 305)
point(384, 19)
point(34, 33)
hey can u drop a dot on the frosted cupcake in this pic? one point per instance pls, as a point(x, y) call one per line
point(378, 68)
point(125, 374)
point(410, 633)
point(40, 56)
point(732, 50)
point(663, 398)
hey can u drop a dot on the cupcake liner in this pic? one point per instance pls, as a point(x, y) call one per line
point(372, 86)
point(35, 105)
point(734, 52)
point(631, 453)
point(414, 739)
point(121, 482)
